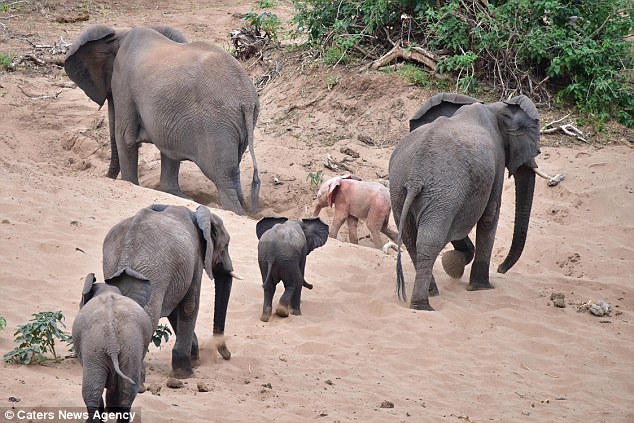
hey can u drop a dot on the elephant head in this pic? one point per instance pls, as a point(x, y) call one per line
point(90, 60)
point(314, 229)
point(89, 63)
point(328, 191)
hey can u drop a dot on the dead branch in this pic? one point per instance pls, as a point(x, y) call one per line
point(412, 54)
point(334, 165)
point(39, 97)
point(567, 129)
point(27, 57)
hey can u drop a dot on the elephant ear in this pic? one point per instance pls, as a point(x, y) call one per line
point(170, 33)
point(132, 284)
point(90, 60)
point(520, 121)
point(216, 241)
point(316, 232)
point(87, 292)
point(443, 104)
point(267, 223)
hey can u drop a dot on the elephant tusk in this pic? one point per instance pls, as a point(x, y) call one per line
point(236, 276)
point(552, 181)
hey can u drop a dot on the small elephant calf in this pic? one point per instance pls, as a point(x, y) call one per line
point(356, 200)
point(111, 334)
point(282, 250)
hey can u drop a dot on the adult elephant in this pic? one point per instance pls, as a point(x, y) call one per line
point(169, 246)
point(446, 177)
point(192, 100)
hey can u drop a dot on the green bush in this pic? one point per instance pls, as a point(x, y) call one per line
point(5, 61)
point(37, 338)
point(265, 21)
point(567, 50)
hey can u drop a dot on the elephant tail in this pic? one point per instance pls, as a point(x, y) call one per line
point(412, 192)
point(249, 120)
point(268, 273)
point(115, 362)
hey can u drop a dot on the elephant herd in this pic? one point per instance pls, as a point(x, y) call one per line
point(194, 101)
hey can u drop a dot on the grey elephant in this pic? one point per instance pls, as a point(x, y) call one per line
point(446, 177)
point(193, 101)
point(170, 246)
point(111, 334)
point(282, 250)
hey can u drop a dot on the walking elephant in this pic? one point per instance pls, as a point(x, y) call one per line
point(170, 246)
point(356, 200)
point(282, 250)
point(193, 101)
point(446, 177)
point(111, 334)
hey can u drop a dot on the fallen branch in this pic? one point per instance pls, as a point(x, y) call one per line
point(334, 165)
point(415, 54)
point(27, 57)
point(567, 129)
point(39, 97)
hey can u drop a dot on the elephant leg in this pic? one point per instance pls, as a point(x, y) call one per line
point(173, 319)
point(375, 224)
point(93, 383)
point(338, 220)
point(169, 176)
point(389, 232)
point(427, 250)
point(353, 224)
point(269, 291)
point(485, 236)
point(186, 313)
point(296, 301)
point(113, 170)
point(454, 261)
point(127, 137)
point(222, 166)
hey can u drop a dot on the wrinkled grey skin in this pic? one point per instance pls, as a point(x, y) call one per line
point(446, 177)
point(282, 250)
point(192, 100)
point(356, 200)
point(111, 334)
point(170, 246)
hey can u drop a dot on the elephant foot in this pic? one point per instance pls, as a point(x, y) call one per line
point(266, 315)
point(281, 310)
point(454, 262)
point(433, 290)
point(224, 351)
point(296, 312)
point(182, 373)
point(479, 286)
point(421, 305)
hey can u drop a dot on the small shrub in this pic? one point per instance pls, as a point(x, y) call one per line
point(37, 338)
point(162, 333)
point(267, 22)
point(3, 323)
point(5, 61)
point(315, 178)
point(332, 81)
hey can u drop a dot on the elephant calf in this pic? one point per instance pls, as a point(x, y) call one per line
point(282, 250)
point(111, 334)
point(356, 200)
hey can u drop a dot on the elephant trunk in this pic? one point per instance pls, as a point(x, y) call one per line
point(223, 282)
point(317, 209)
point(524, 188)
point(113, 170)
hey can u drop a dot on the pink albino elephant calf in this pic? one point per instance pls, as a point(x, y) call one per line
point(356, 200)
